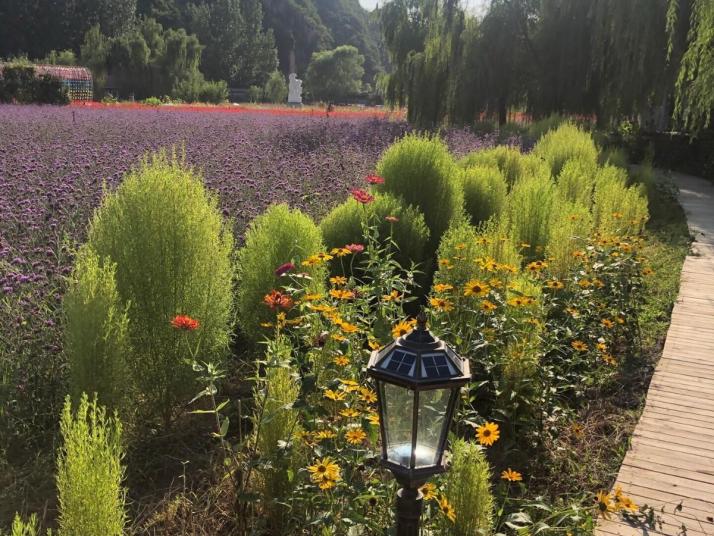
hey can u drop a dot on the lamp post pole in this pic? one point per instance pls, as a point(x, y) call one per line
point(409, 505)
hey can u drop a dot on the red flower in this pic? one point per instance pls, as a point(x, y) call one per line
point(361, 196)
point(284, 268)
point(355, 248)
point(185, 323)
point(391, 219)
point(277, 300)
point(374, 179)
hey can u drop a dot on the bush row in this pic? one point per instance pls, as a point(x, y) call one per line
point(18, 83)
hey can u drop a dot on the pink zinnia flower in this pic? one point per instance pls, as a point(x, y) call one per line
point(361, 196)
point(355, 248)
point(284, 268)
point(374, 179)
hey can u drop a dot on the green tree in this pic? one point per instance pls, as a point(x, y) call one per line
point(694, 89)
point(276, 89)
point(335, 74)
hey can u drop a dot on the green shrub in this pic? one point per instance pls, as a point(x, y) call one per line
point(153, 101)
point(96, 332)
point(468, 489)
point(507, 159)
point(49, 90)
point(618, 210)
point(464, 241)
point(344, 225)
point(278, 236)
point(89, 472)
point(565, 143)
point(276, 88)
point(538, 129)
point(569, 231)
point(214, 92)
point(420, 170)
point(255, 94)
point(576, 182)
point(21, 528)
point(485, 192)
point(510, 130)
point(276, 425)
point(615, 156)
point(528, 212)
point(172, 252)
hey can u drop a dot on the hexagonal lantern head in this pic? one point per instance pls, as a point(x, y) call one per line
point(418, 381)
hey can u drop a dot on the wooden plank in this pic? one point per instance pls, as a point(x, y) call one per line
point(685, 417)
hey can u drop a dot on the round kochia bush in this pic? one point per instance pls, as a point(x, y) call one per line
point(485, 192)
point(280, 237)
point(420, 170)
point(344, 225)
point(172, 252)
point(565, 143)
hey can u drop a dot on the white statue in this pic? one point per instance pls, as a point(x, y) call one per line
point(294, 90)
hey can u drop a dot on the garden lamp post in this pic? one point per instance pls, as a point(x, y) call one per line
point(418, 380)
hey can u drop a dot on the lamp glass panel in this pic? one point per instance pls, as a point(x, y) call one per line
point(433, 406)
point(398, 406)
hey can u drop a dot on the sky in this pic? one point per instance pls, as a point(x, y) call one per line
point(478, 5)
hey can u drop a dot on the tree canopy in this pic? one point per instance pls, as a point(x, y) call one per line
point(334, 75)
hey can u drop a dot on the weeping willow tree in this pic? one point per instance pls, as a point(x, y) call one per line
point(629, 49)
point(694, 88)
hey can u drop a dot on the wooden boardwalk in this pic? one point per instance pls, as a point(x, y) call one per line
point(671, 458)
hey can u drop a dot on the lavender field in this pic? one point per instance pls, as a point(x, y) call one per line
point(56, 162)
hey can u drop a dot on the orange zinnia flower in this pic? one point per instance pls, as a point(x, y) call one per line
point(185, 322)
point(277, 300)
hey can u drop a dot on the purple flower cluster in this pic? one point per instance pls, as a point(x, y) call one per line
point(55, 164)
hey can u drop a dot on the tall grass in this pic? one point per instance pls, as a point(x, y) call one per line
point(173, 254)
point(569, 230)
point(528, 212)
point(420, 171)
point(468, 489)
point(618, 209)
point(96, 332)
point(276, 431)
point(485, 192)
point(567, 142)
point(576, 182)
point(277, 236)
point(89, 472)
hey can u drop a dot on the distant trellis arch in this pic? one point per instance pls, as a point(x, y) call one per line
point(77, 80)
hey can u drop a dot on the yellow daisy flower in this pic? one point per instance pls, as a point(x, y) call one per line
point(511, 475)
point(356, 436)
point(476, 288)
point(488, 433)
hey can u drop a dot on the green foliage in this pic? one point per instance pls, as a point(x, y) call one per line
point(172, 251)
point(513, 164)
point(22, 528)
point(214, 92)
point(564, 143)
point(468, 489)
point(96, 332)
point(485, 190)
point(89, 472)
point(334, 75)
point(62, 57)
point(93, 55)
point(618, 209)
point(576, 181)
point(238, 49)
point(615, 156)
point(420, 170)
point(255, 94)
point(18, 83)
point(277, 236)
point(528, 212)
point(276, 88)
point(276, 425)
point(694, 96)
point(538, 129)
point(569, 230)
point(346, 222)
